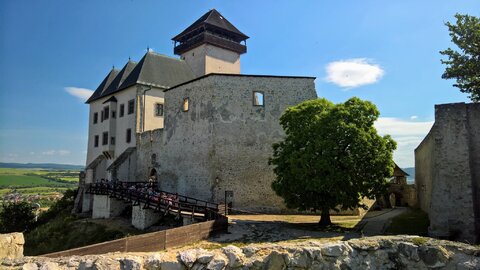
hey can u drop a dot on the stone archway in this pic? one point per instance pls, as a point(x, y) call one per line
point(395, 199)
point(153, 174)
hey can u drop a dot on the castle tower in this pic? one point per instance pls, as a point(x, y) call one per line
point(211, 45)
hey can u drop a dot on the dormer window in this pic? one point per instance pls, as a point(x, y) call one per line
point(258, 98)
point(185, 104)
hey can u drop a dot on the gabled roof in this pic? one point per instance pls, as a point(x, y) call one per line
point(103, 86)
point(158, 70)
point(398, 171)
point(120, 78)
point(215, 19)
point(153, 69)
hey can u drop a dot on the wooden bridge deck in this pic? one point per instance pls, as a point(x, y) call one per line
point(146, 194)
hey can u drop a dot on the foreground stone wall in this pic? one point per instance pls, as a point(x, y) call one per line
point(395, 252)
point(448, 172)
point(11, 245)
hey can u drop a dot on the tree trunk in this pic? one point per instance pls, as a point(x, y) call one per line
point(325, 218)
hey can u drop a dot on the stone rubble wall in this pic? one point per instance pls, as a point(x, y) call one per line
point(382, 252)
point(11, 246)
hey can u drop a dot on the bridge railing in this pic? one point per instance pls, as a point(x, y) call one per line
point(148, 194)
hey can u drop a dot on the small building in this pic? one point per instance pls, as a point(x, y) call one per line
point(447, 176)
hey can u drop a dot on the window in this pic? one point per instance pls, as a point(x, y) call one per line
point(114, 114)
point(95, 118)
point(129, 135)
point(185, 104)
point(106, 112)
point(101, 116)
point(96, 141)
point(158, 109)
point(258, 98)
point(112, 140)
point(105, 138)
point(122, 110)
point(131, 106)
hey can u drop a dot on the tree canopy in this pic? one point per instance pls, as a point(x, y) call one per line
point(464, 64)
point(331, 156)
point(16, 217)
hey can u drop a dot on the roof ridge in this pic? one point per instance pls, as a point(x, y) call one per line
point(165, 56)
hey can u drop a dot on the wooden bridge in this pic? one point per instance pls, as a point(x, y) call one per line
point(147, 194)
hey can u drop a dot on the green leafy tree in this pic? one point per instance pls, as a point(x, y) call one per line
point(331, 156)
point(464, 64)
point(16, 217)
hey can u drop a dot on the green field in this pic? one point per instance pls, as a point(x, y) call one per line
point(36, 181)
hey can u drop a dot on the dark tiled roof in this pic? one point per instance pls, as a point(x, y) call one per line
point(112, 98)
point(103, 86)
point(120, 78)
point(215, 19)
point(158, 70)
point(153, 69)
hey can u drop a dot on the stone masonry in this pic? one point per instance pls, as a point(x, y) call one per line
point(447, 177)
point(385, 252)
point(223, 142)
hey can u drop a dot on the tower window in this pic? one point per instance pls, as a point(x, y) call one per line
point(95, 118)
point(114, 114)
point(95, 144)
point(122, 110)
point(185, 104)
point(106, 112)
point(129, 135)
point(131, 106)
point(158, 109)
point(112, 140)
point(105, 138)
point(258, 98)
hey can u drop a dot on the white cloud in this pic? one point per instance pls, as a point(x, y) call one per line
point(413, 117)
point(56, 153)
point(352, 73)
point(81, 93)
point(407, 134)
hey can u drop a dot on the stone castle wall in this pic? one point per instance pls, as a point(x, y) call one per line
point(447, 172)
point(385, 252)
point(223, 141)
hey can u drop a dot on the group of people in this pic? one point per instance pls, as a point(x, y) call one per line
point(142, 189)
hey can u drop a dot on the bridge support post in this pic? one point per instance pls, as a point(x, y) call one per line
point(144, 218)
point(106, 207)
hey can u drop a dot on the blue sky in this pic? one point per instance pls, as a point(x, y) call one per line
point(382, 51)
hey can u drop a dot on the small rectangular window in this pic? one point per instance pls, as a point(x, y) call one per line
point(101, 118)
point(122, 110)
point(258, 98)
point(96, 141)
point(106, 112)
point(158, 109)
point(114, 114)
point(95, 118)
point(129, 135)
point(112, 140)
point(131, 106)
point(105, 138)
point(185, 104)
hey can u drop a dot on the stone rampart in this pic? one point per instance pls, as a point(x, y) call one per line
point(383, 252)
point(11, 245)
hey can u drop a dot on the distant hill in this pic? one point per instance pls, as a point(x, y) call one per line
point(47, 166)
point(411, 172)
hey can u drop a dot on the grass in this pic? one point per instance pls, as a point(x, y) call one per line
point(23, 178)
point(413, 222)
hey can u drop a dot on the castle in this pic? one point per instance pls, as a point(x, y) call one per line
point(195, 124)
